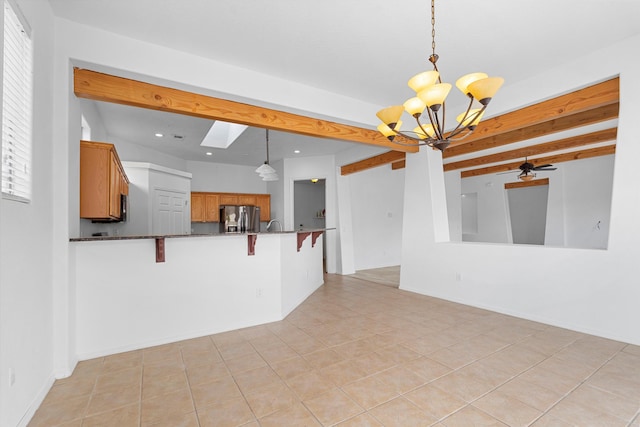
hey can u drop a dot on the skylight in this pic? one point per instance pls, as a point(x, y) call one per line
point(222, 134)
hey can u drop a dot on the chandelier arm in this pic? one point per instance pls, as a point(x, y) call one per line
point(444, 119)
point(469, 132)
point(457, 129)
point(466, 118)
point(433, 118)
point(417, 141)
point(424, 130)
point(439, 129)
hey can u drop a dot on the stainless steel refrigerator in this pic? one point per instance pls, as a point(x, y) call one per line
point(239, 219)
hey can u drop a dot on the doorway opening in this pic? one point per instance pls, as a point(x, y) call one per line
point(309, 201)
point(528, 213)
point(309, 204)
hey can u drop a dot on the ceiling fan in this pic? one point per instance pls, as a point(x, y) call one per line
point(527, 170)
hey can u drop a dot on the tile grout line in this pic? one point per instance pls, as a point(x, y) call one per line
point(193, 402)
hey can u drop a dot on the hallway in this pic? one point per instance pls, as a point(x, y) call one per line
point(357, 353)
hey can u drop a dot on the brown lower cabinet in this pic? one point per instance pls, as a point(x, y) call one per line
point(205, 206)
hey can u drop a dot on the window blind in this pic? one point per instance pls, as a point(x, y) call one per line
point(17, 79)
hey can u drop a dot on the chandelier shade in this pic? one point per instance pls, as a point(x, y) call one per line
point(391, 115)
point(484, 89)
point(463, 82)
point(423, 80)
point(429, 103)
point(434, 95)
point(414, 106)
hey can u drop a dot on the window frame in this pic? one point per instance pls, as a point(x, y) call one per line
point(19, 106)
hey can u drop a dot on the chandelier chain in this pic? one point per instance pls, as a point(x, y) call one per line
point(433, 27)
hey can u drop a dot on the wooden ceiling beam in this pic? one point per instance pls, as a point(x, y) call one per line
point(108, 88)
point(558, 158)
point(400, 164)
point(372, 162)
point(597, 115)
point(588, 98)
point(534, 150)
point(521, 184)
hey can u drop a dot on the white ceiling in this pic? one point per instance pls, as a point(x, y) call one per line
point(366, 49)
point(140, 125)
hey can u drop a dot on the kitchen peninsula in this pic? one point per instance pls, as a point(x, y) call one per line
point(139, 291)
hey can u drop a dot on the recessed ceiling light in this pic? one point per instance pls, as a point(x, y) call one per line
point(209, 153)
point(159, 135)
point(296, 151)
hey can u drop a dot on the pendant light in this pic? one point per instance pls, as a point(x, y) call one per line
point(266, 172)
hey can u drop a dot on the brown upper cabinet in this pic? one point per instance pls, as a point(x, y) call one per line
point(103, 182)
point(205, 207)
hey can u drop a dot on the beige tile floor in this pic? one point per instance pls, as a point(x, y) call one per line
point(361, 354)
point(388, 276)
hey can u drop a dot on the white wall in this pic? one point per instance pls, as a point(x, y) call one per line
point(579, 197)
point(218, 177)
point(593, 291)
point(129, 151)
point(94, 120)
point(377, 201)
point(588, 185)
point(207, 285)
point(26, 254)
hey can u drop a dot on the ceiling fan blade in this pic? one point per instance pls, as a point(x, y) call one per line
point(541, 166)
point(545, 169)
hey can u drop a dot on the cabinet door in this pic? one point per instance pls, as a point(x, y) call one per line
point(264, 203)
point(247, 199)
point(228, 199)
point(212, 208)
point(197, 207)
point(115, 184)
point(94, 181)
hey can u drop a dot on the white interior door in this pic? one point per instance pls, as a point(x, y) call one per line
point(171, 213)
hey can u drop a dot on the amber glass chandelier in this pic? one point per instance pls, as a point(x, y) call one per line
point(429, 103)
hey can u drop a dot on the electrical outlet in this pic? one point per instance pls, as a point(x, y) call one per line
point(458, 277)
point(259, 292)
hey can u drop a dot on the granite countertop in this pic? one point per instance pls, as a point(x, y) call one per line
point(171, 236)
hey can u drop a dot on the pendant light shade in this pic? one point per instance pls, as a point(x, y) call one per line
point(265, 168)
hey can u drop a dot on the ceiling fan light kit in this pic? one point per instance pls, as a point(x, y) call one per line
point(527, 169)
point(429, 101)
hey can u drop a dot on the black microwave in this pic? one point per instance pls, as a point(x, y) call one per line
point(124, 207)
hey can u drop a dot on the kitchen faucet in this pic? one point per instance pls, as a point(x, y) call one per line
point(271, 222)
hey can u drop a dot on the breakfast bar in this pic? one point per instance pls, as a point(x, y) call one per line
point(138, 291)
